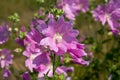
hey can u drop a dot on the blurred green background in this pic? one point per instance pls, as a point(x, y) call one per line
point(105, 48)
point(25, 8)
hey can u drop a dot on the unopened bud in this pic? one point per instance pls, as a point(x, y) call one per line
point(110, 33)
point(10, 29)
point(16, 29)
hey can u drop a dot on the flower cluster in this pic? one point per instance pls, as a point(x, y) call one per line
point(5, 55)
point(52, 43)
point(73, 7)
point(55, 37)
point(109, 13)
point(5, 61)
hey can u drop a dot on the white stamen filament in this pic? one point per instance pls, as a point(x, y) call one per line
point(2, 57)
point(32, 56)
point(58, 37)
point(107, 16)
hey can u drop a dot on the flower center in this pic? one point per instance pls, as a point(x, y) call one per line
point(58, 37)
point(107, 16)
point(119, 33)
point(32, 56)
point(2, 57)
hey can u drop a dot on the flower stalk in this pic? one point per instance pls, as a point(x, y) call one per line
point(54, 66)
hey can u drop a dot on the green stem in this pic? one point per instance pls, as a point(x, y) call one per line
point(54, 56)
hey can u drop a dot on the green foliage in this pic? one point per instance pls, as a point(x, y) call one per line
point(22, 35)
point(40, 1)
point(14, 18)
point(57, 12)
point(34, 75)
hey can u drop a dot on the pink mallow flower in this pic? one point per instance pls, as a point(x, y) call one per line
point(58, 35)
point(109, 13)
point(4, 33)
point(77, 53)
point(55, 37)
point(48, 70)
point(5, 58)
point(42, 64)
point(33, 49)
point(73, 7)
point(30, 58)
point(6, 73)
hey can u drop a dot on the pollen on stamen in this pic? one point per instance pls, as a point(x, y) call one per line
point(58, 37)
point(2, 57)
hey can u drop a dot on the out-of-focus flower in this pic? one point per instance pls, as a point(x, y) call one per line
point(116, 32)
point(26, 76)
point(82, 38)
point(5, 58)
point(58, 35)
point(19, 41)
point(117, 2)
point(73, 7)
point(6, 73)
point(4, 34)
point(109, 13)
point(23, 29)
